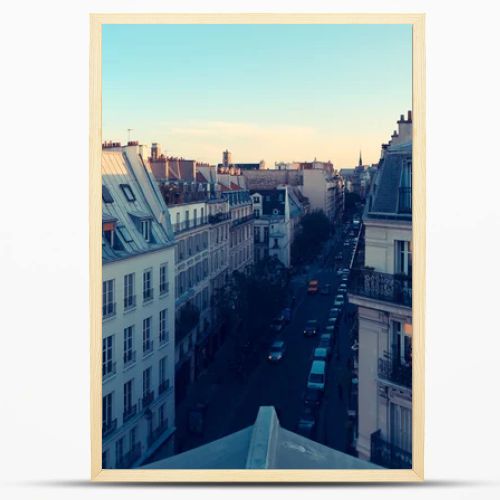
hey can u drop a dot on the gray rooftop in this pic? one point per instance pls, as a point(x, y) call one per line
point(264, 445)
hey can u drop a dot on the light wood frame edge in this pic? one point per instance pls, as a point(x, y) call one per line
point(419, 245)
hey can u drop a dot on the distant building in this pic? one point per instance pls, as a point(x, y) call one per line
point(382, 291)
point(263, 445)
point(138, 330)
point(272, 226)
point(227, 165)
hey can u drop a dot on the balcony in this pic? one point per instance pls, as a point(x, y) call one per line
point(242, 220)
point(129, 412)
point(108, 428)
point(156, 433)
point(381, 286)
point(127, 460)
point(147, 399)
point(129, 358)
point(129, 302)
point(388, 455)
point(108, 370)
point(394, 370)
point(108, 310)
point(221, 217)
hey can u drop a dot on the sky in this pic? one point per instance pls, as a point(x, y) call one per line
point(265, 92)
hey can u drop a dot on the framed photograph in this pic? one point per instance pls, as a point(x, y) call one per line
point(257, 247)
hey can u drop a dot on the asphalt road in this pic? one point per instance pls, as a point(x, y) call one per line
point(232, 404)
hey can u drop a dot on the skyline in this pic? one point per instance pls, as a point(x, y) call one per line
point(202, 95)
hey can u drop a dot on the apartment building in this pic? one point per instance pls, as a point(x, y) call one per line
point(272, 225)
point(241, 233)
point(192, 286)
point(382, 292)
point(138, 253)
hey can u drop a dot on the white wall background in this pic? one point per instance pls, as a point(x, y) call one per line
point(44, 249)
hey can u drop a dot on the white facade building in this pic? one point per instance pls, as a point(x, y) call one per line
point(382, 292)
point(138, 312)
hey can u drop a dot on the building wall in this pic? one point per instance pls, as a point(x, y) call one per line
point(115, 326)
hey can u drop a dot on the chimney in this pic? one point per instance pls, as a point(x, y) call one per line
point(155, 151)
point(402, 118)
point(409, 116)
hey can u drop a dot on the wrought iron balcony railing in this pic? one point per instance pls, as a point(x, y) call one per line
point(381, 286)
point(108, 370)
point(147, 399)
point(216, 218)
point(242, 220)
point(394, 370)
point(388, 455)
point(129, 358)
point(129, 302)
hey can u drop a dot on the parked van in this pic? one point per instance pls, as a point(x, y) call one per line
point(316, 379)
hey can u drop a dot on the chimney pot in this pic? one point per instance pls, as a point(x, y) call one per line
point(409, 116)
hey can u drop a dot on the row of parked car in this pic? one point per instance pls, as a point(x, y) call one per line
point(321, 355)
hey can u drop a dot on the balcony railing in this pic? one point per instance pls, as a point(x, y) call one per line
point(108, 310)
point(388, 455)
point(129, 412)
point(127, 460)
point(215, 219)
point(147, 399)
point(109, 427)
point(381, 286)
point(394, 370)
point(129, 302)
point(156, 433)
point(164, 288)
point(242, 220)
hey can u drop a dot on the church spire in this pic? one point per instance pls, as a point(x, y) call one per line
point(360, 159)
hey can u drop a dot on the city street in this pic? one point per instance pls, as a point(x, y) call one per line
point(232, 404)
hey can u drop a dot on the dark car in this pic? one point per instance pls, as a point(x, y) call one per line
point(311, 328)
point(287, 315)
point(313, 397)
point(326, 289)
point(276, 351)
point(307, 422)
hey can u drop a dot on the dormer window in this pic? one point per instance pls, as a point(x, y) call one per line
point(108, 230)
point(146, 229)
point(127, 191)
point(106, 195)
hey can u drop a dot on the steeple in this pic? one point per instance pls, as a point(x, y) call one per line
point(360, 159)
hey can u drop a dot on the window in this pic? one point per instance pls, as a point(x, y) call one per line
point(127, 191)
point(147, 342)
point(186, 219)
point(128, 287)
point(401, 344)
point(128, 345)
point(162, 414)
point(108, 367)
point(177, 221)
point(108, 297)
point(146, 229)
point(195, 217)
point(133, 437)
point(119, 451)
point(403, 257)
point(106, 195)
point(400, 427)
point(202, 215)
point(108, 233)
point(146, 382)
point(107, 412)
point(147, 285)
point(163, 326)
point(256, 199)
point(162, 375)
point(164, 278)
point(123, 231)
point(128, 393)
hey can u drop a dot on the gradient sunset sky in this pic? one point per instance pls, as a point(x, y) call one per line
point(265, 92)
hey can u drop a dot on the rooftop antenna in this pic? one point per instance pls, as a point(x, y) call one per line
point(129, 130)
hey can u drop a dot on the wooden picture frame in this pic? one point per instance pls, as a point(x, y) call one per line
point(419, 246)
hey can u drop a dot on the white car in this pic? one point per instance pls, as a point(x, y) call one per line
point(343, 288)
point(339, 300)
